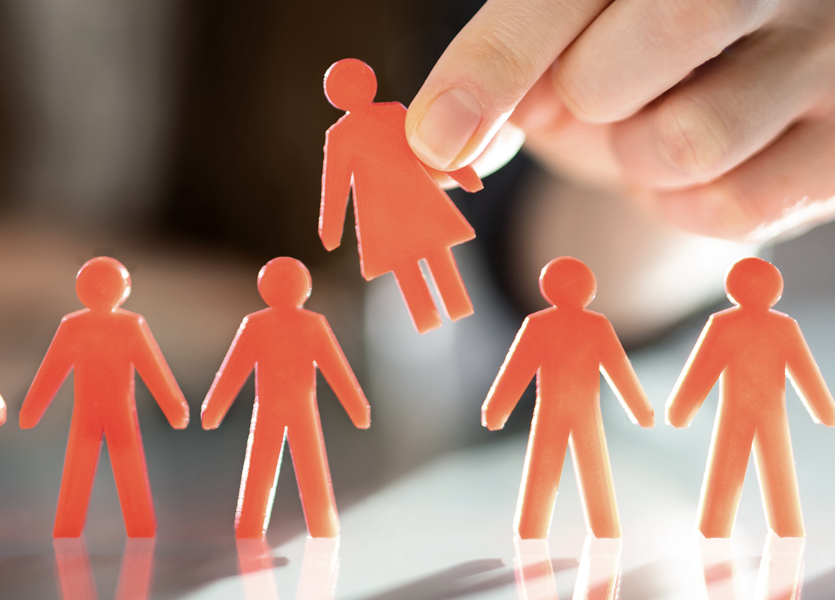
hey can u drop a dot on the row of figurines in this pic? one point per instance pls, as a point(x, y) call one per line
point(565, 346)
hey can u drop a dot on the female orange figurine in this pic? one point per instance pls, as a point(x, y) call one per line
point(402, 214)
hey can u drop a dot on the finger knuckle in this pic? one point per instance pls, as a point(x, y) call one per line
point(707, 26)
point(695, 138)
point(582, 98)
point(503, 47)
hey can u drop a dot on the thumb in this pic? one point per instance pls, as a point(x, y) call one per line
point(484, 73)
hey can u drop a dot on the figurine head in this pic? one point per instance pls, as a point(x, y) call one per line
point(350, 84)
point(284, 282)
point(568, 283)
point(102, 283)
point(754, 283)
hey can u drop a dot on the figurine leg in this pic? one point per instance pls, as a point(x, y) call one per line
point(540, 480)
point(415, 292)
point(726, 464)
point(778, 481)
point(307, 448)
point(131, 474)
point(77, 481)
point(591, 464)
point(450, 287)
point(255, 500)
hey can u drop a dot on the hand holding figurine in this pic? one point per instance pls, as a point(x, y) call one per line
point(715, 115)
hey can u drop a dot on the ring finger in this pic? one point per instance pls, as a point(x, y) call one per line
point(731, 109)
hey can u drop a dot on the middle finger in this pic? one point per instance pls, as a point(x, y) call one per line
point(637, 49)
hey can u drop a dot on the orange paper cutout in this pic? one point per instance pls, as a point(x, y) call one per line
point(284, 344)
point(104, 343)
point(402, 214)
point(566, 347)
point(751, 349)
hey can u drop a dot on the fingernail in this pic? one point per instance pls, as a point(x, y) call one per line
point(446, 127)
point(710, 210)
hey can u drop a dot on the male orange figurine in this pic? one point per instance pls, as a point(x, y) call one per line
point(566, 347)
point(402, 214)
point(103, 343)
point(753, 348)
point(285, 343)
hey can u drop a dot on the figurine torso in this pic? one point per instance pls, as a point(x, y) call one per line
point(754, 346)
point(101, 345)
point(568, 379)
point(286, 343)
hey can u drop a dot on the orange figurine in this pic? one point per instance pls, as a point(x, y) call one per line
point(2, 411)
point(402, 214)
point(566, 347)
point(753, 348)
point(103, 343)
point(285, 343)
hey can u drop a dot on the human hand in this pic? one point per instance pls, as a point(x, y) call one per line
point(717, 115)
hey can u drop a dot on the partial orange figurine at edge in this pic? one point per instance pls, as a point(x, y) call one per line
point(2, 411)
point(104, 343)
point(284, 344)
point(402, 214)
point(750, 348)
point(566, 347)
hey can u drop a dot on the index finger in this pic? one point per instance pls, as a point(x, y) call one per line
point(486, 70)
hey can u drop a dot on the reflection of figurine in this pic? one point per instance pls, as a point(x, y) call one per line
point(402, 214)
point(752, 347)
point(566, 346)
point(255, 564)
point(778, 576)
point(75, 577)
point(285, 343)
point(103, 343)
point(317, 578)
point(598, 577)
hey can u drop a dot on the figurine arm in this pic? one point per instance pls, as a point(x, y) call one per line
point(807, 380)
point(466, 177)
point(518, 368)
point(149, 362)
point(51, 374)
point(336, 186)
point(230, 378)
point(334, 366)
point(696, 380)
point(623, 380)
